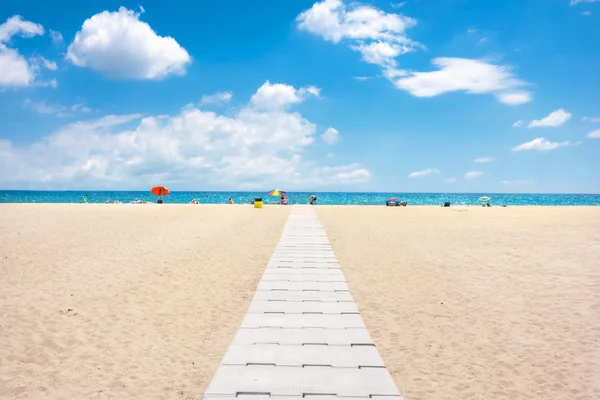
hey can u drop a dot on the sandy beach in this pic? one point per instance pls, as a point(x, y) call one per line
point(474, 303)
point(125, 301)
point(141, 301)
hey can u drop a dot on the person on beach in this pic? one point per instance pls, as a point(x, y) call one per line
point(313, 200)
point(231, 201)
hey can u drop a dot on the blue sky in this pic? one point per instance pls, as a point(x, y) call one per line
point(422, 95)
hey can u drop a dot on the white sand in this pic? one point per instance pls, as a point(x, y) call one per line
point(500, 303)
point(125, 301)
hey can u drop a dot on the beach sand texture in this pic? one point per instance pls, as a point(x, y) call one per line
point(474, 303)
point(125, 301)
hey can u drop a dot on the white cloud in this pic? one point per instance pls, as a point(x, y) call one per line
point(330, 136)
point(556, 118)
point(53, 83)
point(517, 183)
point(378, 36)
point(424, 172)
point(333, 21)
point(15, 70)
point(330, 155)
point(38, 62)
point(450, 180)
point(57, 37)
point(252, 149)
point(574, 2)
point(594, 134)
point(352, 173)
point(279, 96)
point(586, 13)
point(217, 98)
point(542, 144)
point(483, 160)
point(398, 5)
point(518, 124)
point(17, 26)
point(81, 108)
point(472, 76)
point(591, 119)
point(515, 98)
point(51, 65)
point(381, 52)
point(119, 45)
point(473, 174)
point(42, 107)
point(362, 78)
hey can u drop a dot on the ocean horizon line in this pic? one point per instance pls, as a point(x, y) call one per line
point(323, 198)
point(299, 191)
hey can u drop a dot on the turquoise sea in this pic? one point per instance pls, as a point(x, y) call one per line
point(510, 199)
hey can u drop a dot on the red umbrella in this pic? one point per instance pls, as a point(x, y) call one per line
point(160, 191)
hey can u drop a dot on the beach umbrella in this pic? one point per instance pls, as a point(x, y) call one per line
point(160, 191)
point(276, 192)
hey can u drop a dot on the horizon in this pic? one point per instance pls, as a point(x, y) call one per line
point(297, 191)
point(339, 96)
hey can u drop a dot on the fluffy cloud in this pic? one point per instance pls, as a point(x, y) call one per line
point(332, 20)
point(330, 136)
point(594, 134)
point(450, 180)
point(362, 78)
point(556, 118)
point(586, 13)
point(253, 149)
point(119, 45)
point(424, 172)
point(483, 159)
point(542, 144)
point(15, 70)
point(278, 96)
point(17, 26)
point(378, 36)
point(518, 124)
point(472, 76)
point(217, 98)
point(473, 174)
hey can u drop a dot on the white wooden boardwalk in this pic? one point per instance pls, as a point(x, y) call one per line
point(302, 335)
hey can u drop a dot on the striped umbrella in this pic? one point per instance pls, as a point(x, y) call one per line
point(276, 192)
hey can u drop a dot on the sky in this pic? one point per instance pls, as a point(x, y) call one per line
point(411, 96)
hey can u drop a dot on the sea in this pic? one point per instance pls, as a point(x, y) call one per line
point(326, 198)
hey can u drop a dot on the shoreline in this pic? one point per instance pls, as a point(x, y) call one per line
point(318, 205)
